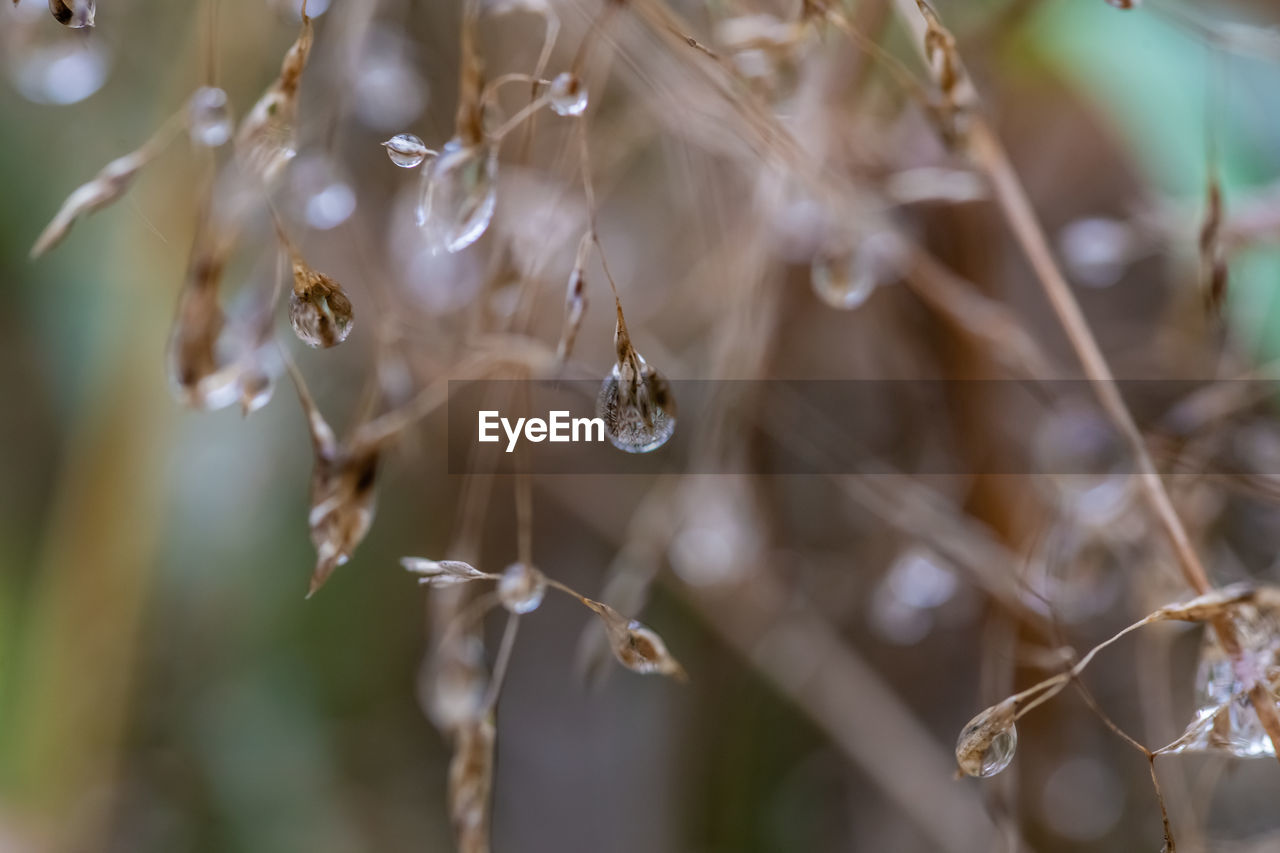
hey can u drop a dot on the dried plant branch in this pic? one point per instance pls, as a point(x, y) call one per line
point(984, 147)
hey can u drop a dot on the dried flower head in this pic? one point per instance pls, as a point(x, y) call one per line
point(636, 646)
point(443, 572)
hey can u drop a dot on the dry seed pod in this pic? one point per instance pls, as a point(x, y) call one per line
point(453, 684)
point(342, 491)
point(635, 402)
point(443, 572)
point(636, 646)
point(319, 310)
point(1213, 261)
point(106, 187)
point(267, 139)
point(1209, 606)
point(459, 194)
point(988, 741)
point(470, 783)
point(75, 14)
point(521, 588)
point(197, 374)
point(575, 301)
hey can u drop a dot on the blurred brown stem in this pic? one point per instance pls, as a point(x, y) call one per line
point(985, 149)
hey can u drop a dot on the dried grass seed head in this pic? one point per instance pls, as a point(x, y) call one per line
point(635, 401)
point(636, 646)
point(319, 310)
point(988, 741)
point(267, 138)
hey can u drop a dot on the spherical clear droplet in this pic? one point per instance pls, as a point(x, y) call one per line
point(49, 64)
point(1000, 753)
point(387, 90)
point(405, 150)
point(320, 192)
point(638, 411)
point(209, 117)
point(459, 194)
point(522, 588)
point(568, 95)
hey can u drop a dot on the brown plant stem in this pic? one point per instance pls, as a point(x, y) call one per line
point(985, 149)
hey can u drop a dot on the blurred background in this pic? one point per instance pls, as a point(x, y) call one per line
point(164, 685)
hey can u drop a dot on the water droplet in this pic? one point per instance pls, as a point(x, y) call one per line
point(718, 539)
point(459, 193)
point(319, 310)
point(315, 8)
point(637, 407)
point(521, 588)
point(987, 743)
point(1085, 462)
point(209, 117)
point(320, 193)
point(918, 582)
point(568, 95)
point(453, 684)
point(50, 65)
point(1225, 720)
point(1097, 250)
point(387, 90)
point(405, 150)
point(256, 390)
point(846, 279)
point(74, 14)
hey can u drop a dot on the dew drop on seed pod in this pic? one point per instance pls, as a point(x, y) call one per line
point(987, 743)
point(840, 282)
point(635, 402)
point(635, 645)
point(320, 193)
point(209, 117)
point(845, 279)
point(568, 95)
point(636, 405)
point(319, 310)
point(73, 14)
point(1225, 720)
point(459, 193)
point(405, 150)
point(315, 8)
point(521, 588)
